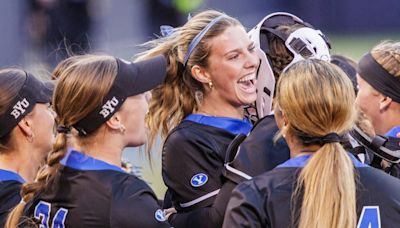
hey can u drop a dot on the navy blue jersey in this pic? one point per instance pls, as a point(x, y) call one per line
point(265, 201)
point(92, 193)
point(192, 165)
point(257, 153)
point(10, 186)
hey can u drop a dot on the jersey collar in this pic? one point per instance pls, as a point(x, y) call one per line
point(80, 161)
point(302, 160)
point(393, 132)
point(6, 175)
point(232, 125)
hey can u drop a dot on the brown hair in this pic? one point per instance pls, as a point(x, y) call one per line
point(324, 104)
point(179, 95)
point(83, 82)
point(11, 81)
point(279, 54)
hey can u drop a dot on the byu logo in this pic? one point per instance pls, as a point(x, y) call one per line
point(19, 108)
point(199, 180)
point(109, 107)
point(160, 215)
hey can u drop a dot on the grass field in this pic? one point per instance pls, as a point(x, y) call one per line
point(354, 46)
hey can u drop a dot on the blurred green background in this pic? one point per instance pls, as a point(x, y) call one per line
point(354, 46)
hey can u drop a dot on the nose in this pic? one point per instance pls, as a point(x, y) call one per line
point(252, 59)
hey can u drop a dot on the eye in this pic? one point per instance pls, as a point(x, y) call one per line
point(252, 48)
point(233, 57)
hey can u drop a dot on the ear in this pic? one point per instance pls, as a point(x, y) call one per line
point(384, 102)
point(114, 123)
point(280, 118)
point(25, 124)
point(200, 74)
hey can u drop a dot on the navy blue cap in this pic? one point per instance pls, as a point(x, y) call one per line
point(33, 91)
point(132, 79)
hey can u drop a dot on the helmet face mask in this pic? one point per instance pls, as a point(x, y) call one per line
point(381, 146)
point(303, 43)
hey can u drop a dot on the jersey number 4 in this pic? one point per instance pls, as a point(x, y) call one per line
point(42, 213)
point(370, 217)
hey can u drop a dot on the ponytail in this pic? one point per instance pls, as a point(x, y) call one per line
point(45, 176)
point(328, 189)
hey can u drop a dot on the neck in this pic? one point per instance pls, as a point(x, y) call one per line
point(211, 108)
point(388, 121)
point(22, 161)
point(298, 149)
point(107, 149)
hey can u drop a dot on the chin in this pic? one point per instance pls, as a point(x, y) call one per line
point(137, 142)
point(249, 99)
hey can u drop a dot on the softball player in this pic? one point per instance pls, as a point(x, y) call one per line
point(211, 76)
point(321, 185)
point(283, 39)
point(26, 133)
point(379, 98)
point(100, 106)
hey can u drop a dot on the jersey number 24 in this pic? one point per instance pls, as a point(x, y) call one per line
point(42, 213)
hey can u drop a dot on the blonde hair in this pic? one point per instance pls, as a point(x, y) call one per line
point(178, 96)
point(83, 82)
point(324, 103)
point(387, 54)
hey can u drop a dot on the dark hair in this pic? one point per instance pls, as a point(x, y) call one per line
point(348, 66)
point(11, 81)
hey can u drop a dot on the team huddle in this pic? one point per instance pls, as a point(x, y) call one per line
point(264, 128)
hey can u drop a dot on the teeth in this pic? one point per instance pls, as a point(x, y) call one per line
point(247, 78)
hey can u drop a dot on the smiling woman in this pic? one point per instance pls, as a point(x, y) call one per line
point(199, 110)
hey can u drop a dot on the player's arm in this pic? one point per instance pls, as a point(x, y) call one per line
point(211, 216)
point(192, 171)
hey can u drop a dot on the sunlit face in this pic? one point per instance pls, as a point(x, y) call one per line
point(368, 100)
point(232, 67)
point(42, 119)
point(132, 114)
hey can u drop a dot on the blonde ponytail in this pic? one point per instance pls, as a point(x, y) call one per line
point(324, 104)
point(328, 189)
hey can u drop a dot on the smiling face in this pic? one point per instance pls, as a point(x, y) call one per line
point(232, 67)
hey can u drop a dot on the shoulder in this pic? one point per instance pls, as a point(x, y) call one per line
point(377, 179)
point(196, 138)
point(128, 185)
point(9, 195)
point(187, 129)
point(278, 179)
point(134, 204)
point(259, 153)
